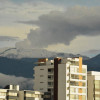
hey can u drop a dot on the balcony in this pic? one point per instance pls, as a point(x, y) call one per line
point(51, 71)
point(50, 78)
point(50, 84)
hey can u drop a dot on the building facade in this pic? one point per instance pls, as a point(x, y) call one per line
point(93, 85)
point(3, 94)
point(30, 95)
point(65, 78)
point(12, 92)
point(44, 76)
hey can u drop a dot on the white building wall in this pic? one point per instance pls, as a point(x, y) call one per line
point(3, 96)
point(41, 78)
point(40, 81)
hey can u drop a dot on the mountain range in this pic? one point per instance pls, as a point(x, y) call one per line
point(16, 53)
point(93, 63)
point(21, 62)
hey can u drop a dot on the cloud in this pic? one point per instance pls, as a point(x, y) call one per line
point(25, 10)
point(64, 2)
point(13, 10)
point(64, 26)
point(25, 83)
point(8, 38)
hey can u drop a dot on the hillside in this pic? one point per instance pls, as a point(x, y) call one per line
point(93, 63)
point(24, 67)
point(17, 67)
point(20, 67)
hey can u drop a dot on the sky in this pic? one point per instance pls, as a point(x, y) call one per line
point(70, 26)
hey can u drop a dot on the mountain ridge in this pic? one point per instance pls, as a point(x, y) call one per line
point(93, 63)
point(34, 53)
point(11, 64)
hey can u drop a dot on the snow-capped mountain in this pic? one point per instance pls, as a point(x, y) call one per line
point(33, 53)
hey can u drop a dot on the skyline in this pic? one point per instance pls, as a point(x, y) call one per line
point(51, 24)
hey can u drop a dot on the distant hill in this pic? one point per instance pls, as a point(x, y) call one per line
point(24, 66)
point(20, 62)
point(18, 67)
point(93, 63)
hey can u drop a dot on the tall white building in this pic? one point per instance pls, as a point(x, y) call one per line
point(65, 78)
point(93, 85)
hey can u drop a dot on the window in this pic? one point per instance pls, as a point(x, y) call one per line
point(41, 82)
point(77, 97)
point(12, 94)
point(49, 70)
point(73, 76)
point(75, 83)
point(41, 88)
point(50, 83)
point(41, 75)
point(50, 77)
point(30, 95)
point(49, 90)
point(41, 69)
point(83, 70)
point(97, 89)
point(2, 94)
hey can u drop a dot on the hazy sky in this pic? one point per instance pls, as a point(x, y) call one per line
point(56, 25)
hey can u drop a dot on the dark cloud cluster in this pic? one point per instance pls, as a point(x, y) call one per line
point(62, 27)
point(25, 83)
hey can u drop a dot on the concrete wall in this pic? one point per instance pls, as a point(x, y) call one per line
point(90, 89)
point(21, 95)
point(61, 82)
point(40, 81)
point(41, 78)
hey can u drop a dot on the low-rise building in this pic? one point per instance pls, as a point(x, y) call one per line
point(12, 92)
point(3, 94)
point(93, 85)
point(30, 95)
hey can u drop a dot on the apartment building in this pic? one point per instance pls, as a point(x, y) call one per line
point(44, 75)
point(93, 85)
point(3, 94)
point(30, 95)
point(65, 78)
point(12, 92)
